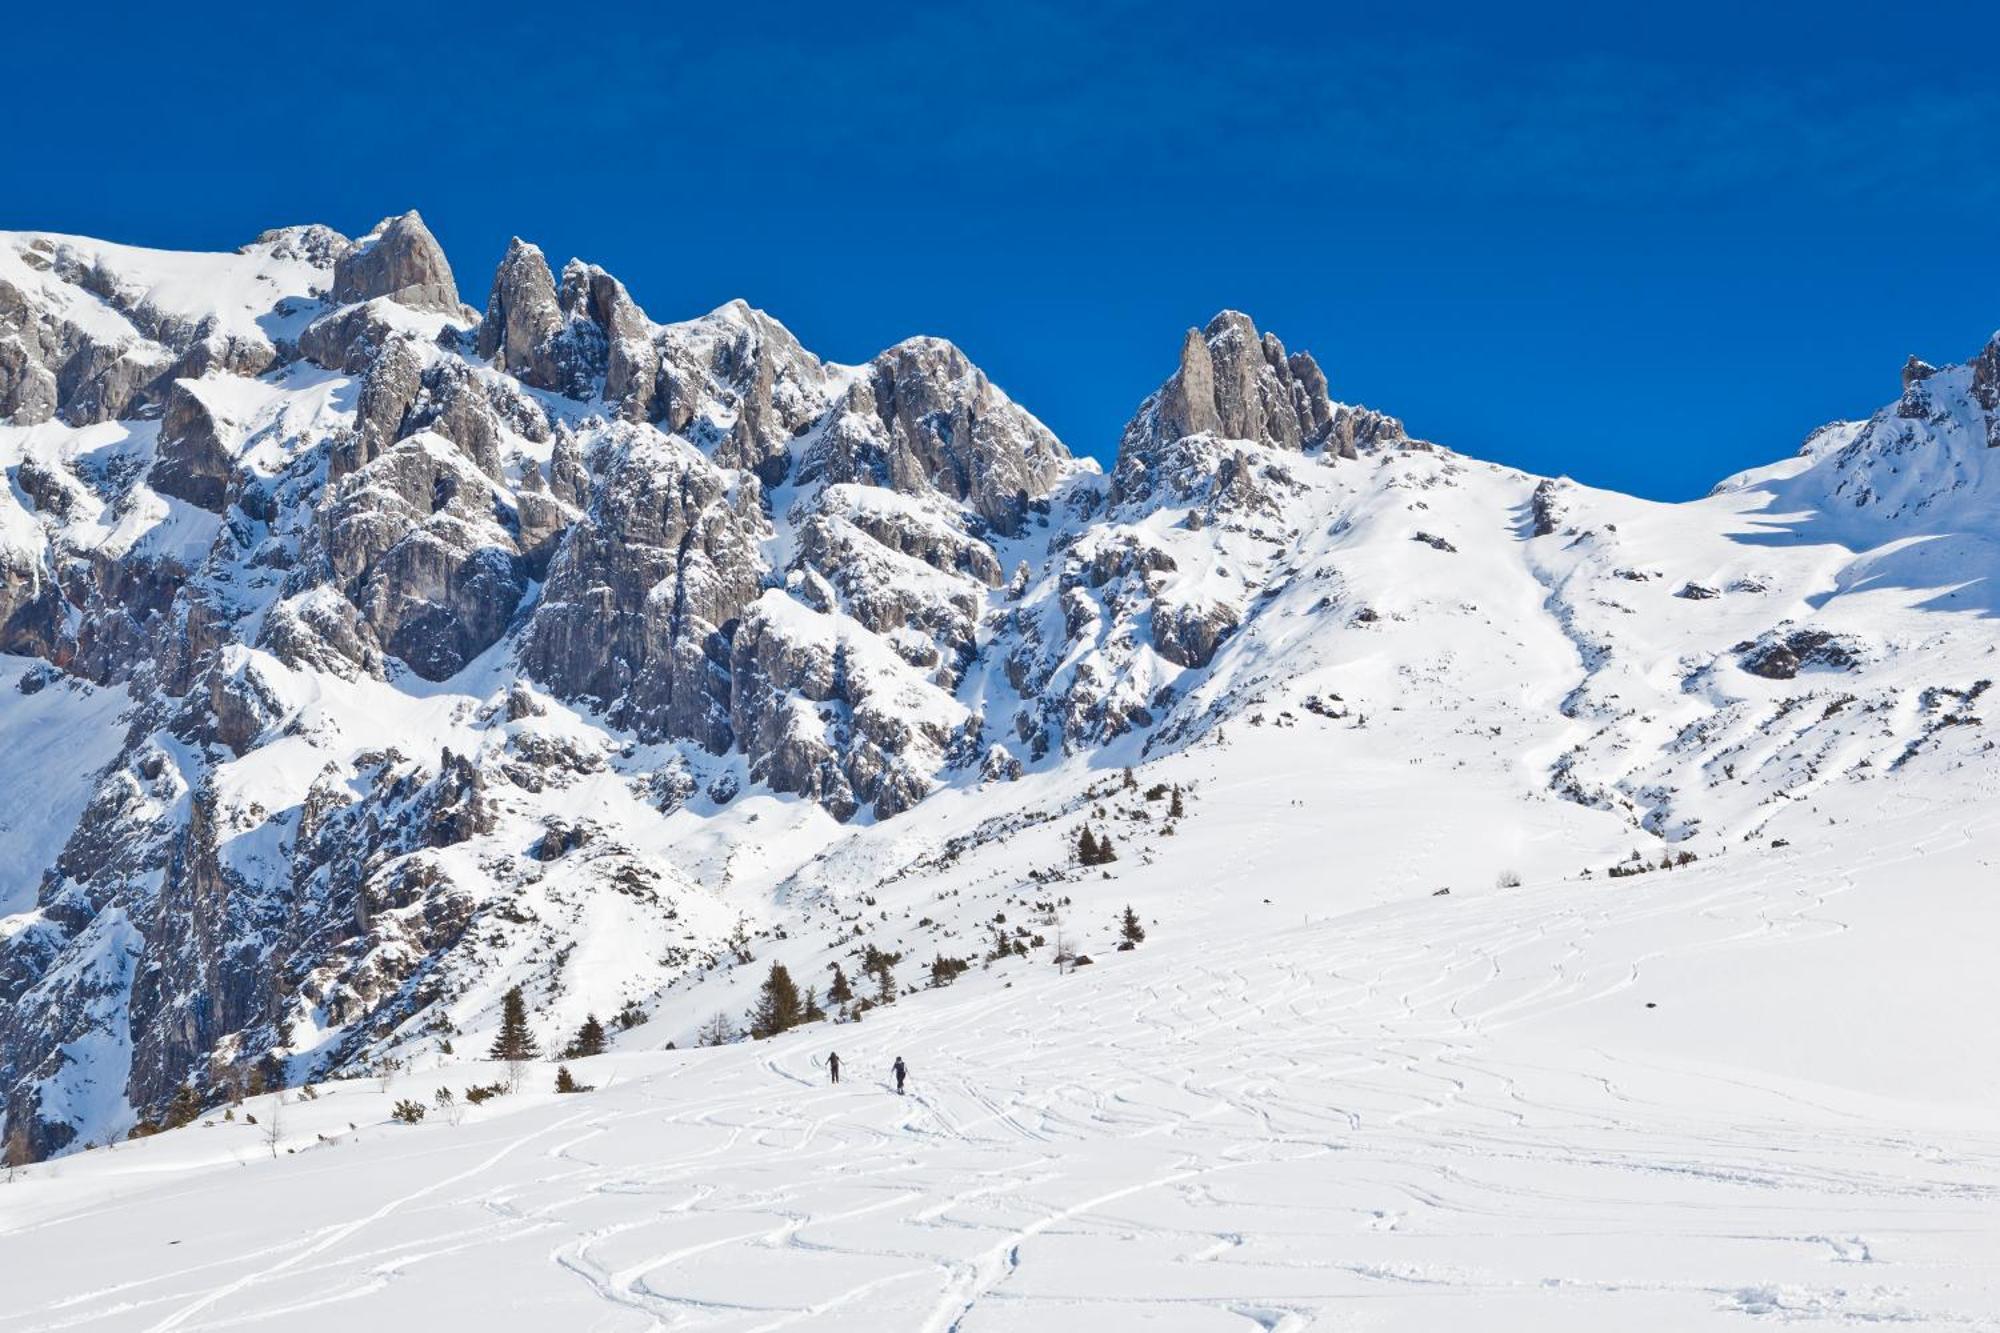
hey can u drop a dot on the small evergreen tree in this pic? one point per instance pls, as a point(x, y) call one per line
point(811, 1013)
point(1106, 854)
point(881, 966)
point(184, 1108)
point(778, 1006)
point(1174, 807)
point(515, 1043)
point(1086, 847)
point(589, 1040)
point(840, 992)
point(1130, 932)
point(566, 1081)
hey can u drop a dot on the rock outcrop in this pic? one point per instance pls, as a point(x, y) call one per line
point(1235, 384)
point(400, 260)
point(525, 332)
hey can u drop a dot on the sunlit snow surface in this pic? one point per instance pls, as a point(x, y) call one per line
point(1436, 1112)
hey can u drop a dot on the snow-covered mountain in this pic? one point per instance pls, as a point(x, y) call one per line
point(368, 654)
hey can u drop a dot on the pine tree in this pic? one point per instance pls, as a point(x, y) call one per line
point(1105, 853)
point(515, 1043)
point(1086, 847)
point(811, 1013)
point(840, 992)
point(566, 1081)
point(778, 1006)
point(1175, 809)
point(880, 966)
point(184, 1108)
point(589, 1040)
point(1130, 932)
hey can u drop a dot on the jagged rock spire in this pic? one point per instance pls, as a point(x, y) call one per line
point(401, 260)
point(523, 319)
point(1236, 384)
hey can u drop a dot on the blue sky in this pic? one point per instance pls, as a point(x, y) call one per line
point(1644, 250)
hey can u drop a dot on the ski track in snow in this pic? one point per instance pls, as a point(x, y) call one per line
point(1371, 1121)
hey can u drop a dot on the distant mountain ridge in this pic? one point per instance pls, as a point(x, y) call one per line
point(406, 646)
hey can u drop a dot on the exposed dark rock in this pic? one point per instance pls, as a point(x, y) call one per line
point(1781, 655)
point(192, 464)
point(646, 588)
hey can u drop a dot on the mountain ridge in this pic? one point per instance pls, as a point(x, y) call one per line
point(429, 631)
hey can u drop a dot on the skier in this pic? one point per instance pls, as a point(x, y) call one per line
point(902, 1072)
point(833, 1065)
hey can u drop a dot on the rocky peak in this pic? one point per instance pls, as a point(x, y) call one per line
point(1986, 388)
point(1241, 385)
point(401, 260)
point(925, 418)
point(315, 244)
point(736, 382)
point(1233, 383)
point(569, 338)
point(523, 317)
point(631, 370)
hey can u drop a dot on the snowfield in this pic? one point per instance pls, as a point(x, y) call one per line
point(1759, 1087)
point(1563, 910)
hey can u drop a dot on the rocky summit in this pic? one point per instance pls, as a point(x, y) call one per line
point(400, 650)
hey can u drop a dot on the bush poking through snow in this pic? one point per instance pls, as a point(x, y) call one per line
point(566, 1081)
point(1508, 879)
point(409, 1112)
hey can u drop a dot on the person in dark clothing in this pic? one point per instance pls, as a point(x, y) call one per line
point(902, 1071)
point(833, 1065)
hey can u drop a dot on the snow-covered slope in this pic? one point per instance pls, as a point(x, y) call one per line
point(1316, 1096)
point(411, 653)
